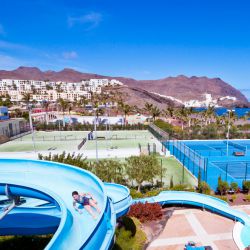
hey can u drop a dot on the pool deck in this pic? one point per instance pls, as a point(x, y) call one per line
point(202, 227)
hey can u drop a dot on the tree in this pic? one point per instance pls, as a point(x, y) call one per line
point(45, 105)
point(109, 171)
point(182, 115)
point(171, 182)
point(126, 109)
point(223, 186)
point(204, 188)
point(26, 98)
point(199, 180)
point(234, 186)
point(155, 112)
point(148, 107)
point(142, 168)
point(246, 186)
point(169, 112)
point(63, 105)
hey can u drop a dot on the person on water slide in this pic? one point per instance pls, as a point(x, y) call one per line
point(87, 201)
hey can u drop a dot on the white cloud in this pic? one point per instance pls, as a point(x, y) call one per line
point(89, 20)
point(69, 55)
point(9, 62)
point(9, 45)
point(2, 31)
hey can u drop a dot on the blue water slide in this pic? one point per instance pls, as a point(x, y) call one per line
point(120, 197)
point(53, 183)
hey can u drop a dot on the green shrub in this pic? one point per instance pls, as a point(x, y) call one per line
point(135, 194)
point(247, 197)
point(125, 240)
point(204, 188)
point(129, 225)
point(234, 186)
point(233, 197)
point(222, 187)
point(183, 187)
point(246, 185)
point(152, 193)
point(224, 198)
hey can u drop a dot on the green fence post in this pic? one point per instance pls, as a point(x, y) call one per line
point(246, 172)
point(161, 173)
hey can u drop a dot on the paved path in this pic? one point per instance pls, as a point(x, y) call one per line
point(202, 227)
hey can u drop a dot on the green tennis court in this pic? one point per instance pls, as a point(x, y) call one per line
point(69, 141)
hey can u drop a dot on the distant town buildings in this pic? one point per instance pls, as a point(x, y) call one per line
point(11, 127)
point(51, 91)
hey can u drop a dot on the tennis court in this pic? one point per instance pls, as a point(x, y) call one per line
point(69, 141)
point(213, 158)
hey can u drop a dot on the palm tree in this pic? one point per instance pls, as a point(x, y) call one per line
point(155, 112)
point(26, 98)
point(45, 105)
point(169, 112)
point(148, 107)
point(63, 105)
point(210, 114)
point(182, 115)
point(126, 109)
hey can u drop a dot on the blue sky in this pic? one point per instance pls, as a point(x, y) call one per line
point(143, 39)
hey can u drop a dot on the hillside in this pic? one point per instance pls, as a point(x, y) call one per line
point(180, 88)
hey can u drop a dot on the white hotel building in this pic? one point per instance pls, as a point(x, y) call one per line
point(51, 91)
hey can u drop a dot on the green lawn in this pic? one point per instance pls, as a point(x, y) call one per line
point(175, 169)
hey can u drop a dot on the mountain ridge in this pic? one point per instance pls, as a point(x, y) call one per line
point(180, 87)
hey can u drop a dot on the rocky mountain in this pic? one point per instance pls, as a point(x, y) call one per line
point(178, 89)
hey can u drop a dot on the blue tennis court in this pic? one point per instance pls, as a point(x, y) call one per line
point(213, 158)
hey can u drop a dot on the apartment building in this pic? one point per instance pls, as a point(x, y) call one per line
point(51, 91)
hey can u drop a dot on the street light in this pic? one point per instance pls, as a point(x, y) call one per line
point(31, 126)
point(228, 129)
point(96, 148)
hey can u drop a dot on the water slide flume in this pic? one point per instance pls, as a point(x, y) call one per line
point(54, 182)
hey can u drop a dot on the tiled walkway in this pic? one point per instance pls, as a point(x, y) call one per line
point(202, 227)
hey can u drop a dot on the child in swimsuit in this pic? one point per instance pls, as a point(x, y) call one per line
point(84, 200)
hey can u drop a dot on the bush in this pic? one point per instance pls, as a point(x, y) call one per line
point(135, 194)
point(125, 239)
point(71, 159)
point(129, 225)
point(183, 187)
point(224, 198)
point(247, 197)
point(223, 186)
point(246, 185)
point(233, 197)
point(152, 193)
point(204, 188)
point(234, 186)
point(146, 211)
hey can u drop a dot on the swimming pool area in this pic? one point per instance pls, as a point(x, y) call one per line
point(213, 158)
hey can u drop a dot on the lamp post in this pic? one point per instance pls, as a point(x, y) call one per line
point(31, 127)
point(228, 129)
point(96, 147)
